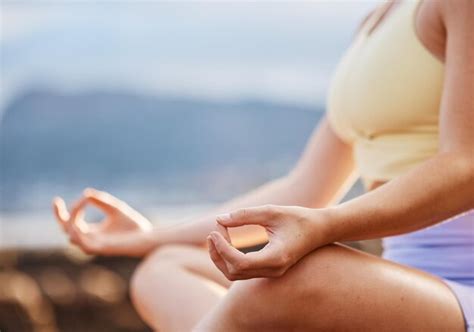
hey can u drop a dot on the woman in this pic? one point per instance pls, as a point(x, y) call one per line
point(400, 114)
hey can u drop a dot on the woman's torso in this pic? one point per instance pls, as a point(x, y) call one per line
point(384, 100)
point(385, 96)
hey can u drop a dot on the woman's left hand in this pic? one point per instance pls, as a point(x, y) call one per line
point(293, 232)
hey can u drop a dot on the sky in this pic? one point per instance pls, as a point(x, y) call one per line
point(280, 51)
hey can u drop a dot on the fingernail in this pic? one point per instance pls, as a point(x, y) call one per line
point(213, 236)
point(223, 217)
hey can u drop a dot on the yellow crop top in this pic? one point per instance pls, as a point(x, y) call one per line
point(385, 95)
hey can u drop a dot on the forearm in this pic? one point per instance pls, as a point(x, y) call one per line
point(437, 189)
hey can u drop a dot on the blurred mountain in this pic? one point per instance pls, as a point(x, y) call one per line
point(52, 142)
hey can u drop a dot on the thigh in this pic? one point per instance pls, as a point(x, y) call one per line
point(336, 288)
point(194, 259)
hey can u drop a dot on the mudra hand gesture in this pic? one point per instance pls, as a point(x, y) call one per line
point(292, 233)
point(123, 231)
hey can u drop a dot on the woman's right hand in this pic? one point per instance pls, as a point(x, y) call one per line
point(123, 231)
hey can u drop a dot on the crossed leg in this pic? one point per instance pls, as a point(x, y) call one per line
point(334, 288)
point(175, 286)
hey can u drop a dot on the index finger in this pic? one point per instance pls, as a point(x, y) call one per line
point(226, 250)
point(269, 257)
point(102, 200)
point(216, 258)
point(77, 212)
point(223, 230)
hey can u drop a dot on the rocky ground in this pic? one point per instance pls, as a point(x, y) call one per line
point(64, 290)
point(48, 290)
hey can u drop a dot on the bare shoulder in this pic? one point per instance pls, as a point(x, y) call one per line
point(457, 15)
point(458, 20)
point(440, 18)
point(456, 8)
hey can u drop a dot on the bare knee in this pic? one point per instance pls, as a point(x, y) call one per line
point(326, 266)
point(262, 304)
point(149, 271)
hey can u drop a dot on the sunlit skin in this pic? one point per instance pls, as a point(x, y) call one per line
point(193, 278)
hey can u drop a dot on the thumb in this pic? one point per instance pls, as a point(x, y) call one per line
point(260, 215)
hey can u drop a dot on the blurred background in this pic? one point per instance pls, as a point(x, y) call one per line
point(171, 106)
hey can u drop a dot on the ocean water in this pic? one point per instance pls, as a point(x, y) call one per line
point(165, 157)
point(146, 149)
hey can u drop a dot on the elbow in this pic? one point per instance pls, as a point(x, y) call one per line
point(463, 166)
point(470, 176)
point(468, 179)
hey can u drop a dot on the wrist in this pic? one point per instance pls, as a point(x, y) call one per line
point(323, 222)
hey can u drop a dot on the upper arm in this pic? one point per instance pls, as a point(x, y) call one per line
point(325, 169)
point(457, 105)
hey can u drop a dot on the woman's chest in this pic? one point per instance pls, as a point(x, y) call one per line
point(388, 81)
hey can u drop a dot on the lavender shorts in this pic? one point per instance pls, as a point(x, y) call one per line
point(465, 296)
point(445, 250)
